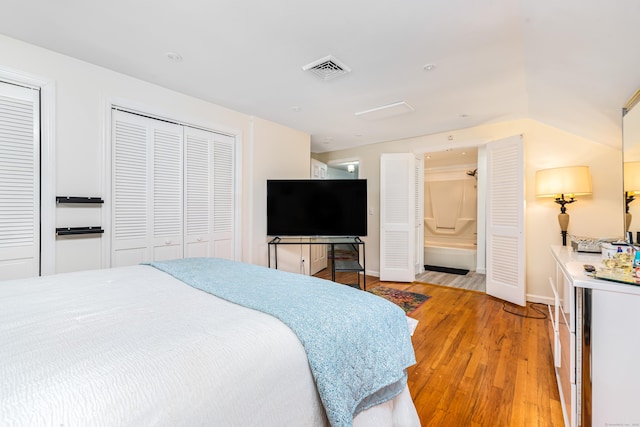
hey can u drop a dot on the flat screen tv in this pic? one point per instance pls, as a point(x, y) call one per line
point(317, 207)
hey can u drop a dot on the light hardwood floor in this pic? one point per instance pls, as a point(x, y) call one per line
point(477, 364)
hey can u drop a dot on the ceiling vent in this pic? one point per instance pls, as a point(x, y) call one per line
point(386, 111)
point(327, 68)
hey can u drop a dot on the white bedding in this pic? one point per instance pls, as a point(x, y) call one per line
point(135, 346)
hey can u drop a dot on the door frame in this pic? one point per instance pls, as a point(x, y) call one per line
point(481, 263)
point(47, 162)
point(483, 192)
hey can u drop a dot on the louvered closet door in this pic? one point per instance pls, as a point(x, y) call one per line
point(209, 194)
point(146, 190)
point(167, 191)
point(19, 182)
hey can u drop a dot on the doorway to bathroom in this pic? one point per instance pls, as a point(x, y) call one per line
point(453, 229)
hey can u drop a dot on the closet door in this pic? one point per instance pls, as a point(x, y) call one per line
point(167, 193)
point(209, 194)
point(146, 190)
point(19, 182)
point(198, 230)
point(223, 196)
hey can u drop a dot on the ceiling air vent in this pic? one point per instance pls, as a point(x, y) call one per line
point(386, 111)
point(327, 68)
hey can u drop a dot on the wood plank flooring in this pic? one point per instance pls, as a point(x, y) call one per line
point(477, 364)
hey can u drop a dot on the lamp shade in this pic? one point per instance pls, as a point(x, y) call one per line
point(632, 177)
point(572, 180)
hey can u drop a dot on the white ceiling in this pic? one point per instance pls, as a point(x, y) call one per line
point(568, 63)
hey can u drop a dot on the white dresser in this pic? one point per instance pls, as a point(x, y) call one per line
point(595, 335)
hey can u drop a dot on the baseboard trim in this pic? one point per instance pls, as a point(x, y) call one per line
point(540, 299)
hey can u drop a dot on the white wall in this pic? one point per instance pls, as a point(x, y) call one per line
point(82, 93)
point(598, 215)
point(292, 156)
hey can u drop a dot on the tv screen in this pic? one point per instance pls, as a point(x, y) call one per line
point(317, 207)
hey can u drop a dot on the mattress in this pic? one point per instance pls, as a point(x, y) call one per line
point(134, 346)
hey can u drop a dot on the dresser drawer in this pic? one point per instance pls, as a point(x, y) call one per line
point(566, 295)
point(554, 317)
point(566, 369)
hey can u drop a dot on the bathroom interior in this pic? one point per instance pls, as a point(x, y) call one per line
point(451, 233)
point(451, 211)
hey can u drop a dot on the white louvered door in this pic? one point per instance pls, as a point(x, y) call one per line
point(198, 228)
point(146, 190)
point(173, 191)
point(223, 196)
point(130, 205)
point(505, 220)
point(209, 194)
point(397, 217)
point(418, 209)
point(167, 191)
point(19, 182)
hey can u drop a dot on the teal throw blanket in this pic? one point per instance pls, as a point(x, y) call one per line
point(357, 344)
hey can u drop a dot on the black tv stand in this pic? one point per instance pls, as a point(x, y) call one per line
point(336, 265)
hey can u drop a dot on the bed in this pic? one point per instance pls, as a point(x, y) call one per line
point(199, 342)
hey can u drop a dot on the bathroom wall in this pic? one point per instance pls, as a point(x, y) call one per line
point(450, 206)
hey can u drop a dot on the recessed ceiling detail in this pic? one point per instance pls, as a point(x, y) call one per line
point(386, 111)
point(327, 68)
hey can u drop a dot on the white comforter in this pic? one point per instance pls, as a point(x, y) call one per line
point(134, 346)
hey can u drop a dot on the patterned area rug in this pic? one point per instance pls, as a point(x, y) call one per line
point(408, 301)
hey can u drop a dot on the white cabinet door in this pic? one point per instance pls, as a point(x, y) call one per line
point(615, 347)
point(318, 169)
point(318, 253)
point(19, 182)
point(318, 256)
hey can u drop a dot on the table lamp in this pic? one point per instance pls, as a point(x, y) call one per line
point(563, 182)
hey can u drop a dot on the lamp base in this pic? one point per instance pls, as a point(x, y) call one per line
point(564, 238)
point(563, 220)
